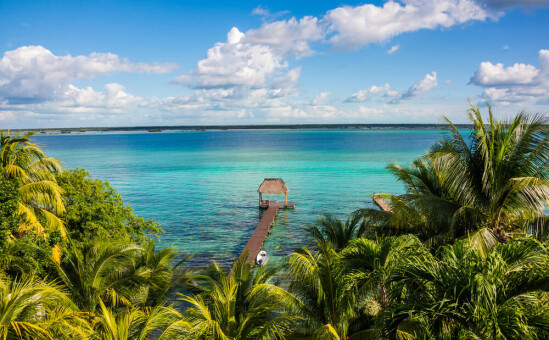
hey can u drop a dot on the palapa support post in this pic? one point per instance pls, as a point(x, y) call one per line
point(273, 186)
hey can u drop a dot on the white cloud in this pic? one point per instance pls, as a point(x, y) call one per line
point(427, 84)
point(516, 83)
point(264, 12)
point(364, 95)
point(286, 85)
point(35, 74)
point(354, 27)
point(489, 74)
point(393, 49)
point(288, 80)
point(236, 63)
point(288, 37)
point(420, 88)
point(252, 58)
point(115, 96)
point(321, 98)
point(261, 11)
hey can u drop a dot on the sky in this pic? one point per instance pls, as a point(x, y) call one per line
point(161, 63)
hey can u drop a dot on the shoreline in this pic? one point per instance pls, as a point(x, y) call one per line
point(201, 128)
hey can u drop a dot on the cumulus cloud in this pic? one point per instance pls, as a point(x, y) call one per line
point(354, 27)
point(288, 37)
point(236, 62)
point(364, 95)
point(286, 85)
point(114, 96)
point(489, 74)
point(251, 58)
point(321, 98)
point(516, 83)
point(35, 74)
point(420, 88)
point(393, 49)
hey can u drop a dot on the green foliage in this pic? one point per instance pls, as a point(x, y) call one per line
point(9, 204)
point(495, 179)
point(134, 323)
point(461, 294)
point(236, 306)
point(119, 274)
point(40, 201)
point(319, 292)
point(330, 229)
point(96, 211)
point(33, 309)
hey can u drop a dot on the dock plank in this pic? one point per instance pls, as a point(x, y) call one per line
point(383, 204)
point(262, 230)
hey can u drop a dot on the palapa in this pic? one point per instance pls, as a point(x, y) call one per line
point(273, 186)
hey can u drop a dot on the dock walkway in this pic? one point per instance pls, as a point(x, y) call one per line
point(262, 230)
point(383, 204)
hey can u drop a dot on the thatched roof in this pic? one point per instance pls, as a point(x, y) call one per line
point(273, 186)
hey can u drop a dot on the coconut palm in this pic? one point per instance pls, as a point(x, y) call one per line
point(370, 263)
point(318, 293)
point(32, 309)
point(133, 323)
point(463, 294)
point(41, 201)
point(226, 306)
point(102, 271)
point(161, 276)
point(330, 228)
point(496, 179)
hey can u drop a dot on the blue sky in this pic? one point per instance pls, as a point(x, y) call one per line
point(122, 63)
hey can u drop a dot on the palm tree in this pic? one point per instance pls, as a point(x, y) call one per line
point(370, 263)
point(227, 306)
point(331, 229)
point(318, 293)
point(102, 271)
point(33, 309)
point(41, 201)
point(496, 179)
point(134, 323)
point(161, 275)
point(463, 294)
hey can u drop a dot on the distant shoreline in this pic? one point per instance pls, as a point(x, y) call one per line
point(191, 128)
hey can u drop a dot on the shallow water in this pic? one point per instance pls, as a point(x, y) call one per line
point(202, 186)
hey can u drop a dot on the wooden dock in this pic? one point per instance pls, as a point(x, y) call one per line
point(382, 203)
point(262, 230)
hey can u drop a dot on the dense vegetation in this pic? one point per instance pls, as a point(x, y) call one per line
point(463, 254)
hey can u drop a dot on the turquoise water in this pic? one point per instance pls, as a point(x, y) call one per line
point(202, 186)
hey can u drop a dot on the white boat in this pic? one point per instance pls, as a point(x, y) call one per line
point(261, 258)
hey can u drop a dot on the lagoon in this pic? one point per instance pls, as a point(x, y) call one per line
point(202, 186)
